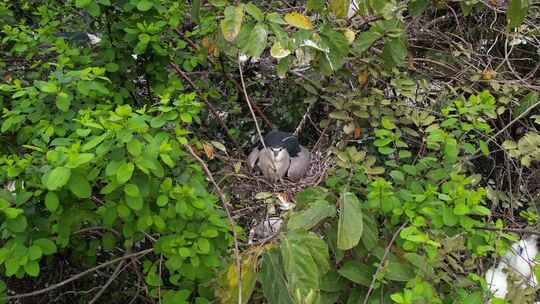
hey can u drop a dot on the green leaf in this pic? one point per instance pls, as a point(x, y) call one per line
point(516, 13)
point(203, 245)
point(315, 5)
point(357, 272)
point(301, 269)
point(394, 52)
point(135, 203)
point(124, 172)
point(47, 86)
point(134, 147)
point(34, 252)
point(231, 24)
point(257, 41)
point(79, 185)
point(417, 7)
point(32, 268)
point(298, 20)
point(57, 178)
point(526, 102)
point(272, 276)
point(51, 201)
point(340, 8)
point(309, 218)
point(131, 190)
point(12, 213)
point(93, 142)
point(82, 3)
point(162, 200)
point(17, 224)
point(144, 5)
point(275, 18)
point(47, 246)
point(63, 101)
point(350, 225)
point(400, 272)
point(255, 12)
point(365, 40)
point(79, 159)
point(196, 10)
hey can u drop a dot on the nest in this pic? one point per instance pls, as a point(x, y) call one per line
point(259, 204)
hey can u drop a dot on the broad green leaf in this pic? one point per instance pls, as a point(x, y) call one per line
point(134, 147)
point(257, 41)
point(365, 40)
point(417, 7)
point(340, 8)
point(51, 201)
point(34, 252)
point(135, 203)
point(277, 51)
point(32, 268)
point(370, 235)
point(516, 13)
point(82, 3)
point(196, 10)
point(526, 102)
point(144, 5)
point(131, 190)
point(394, 52)
point(124, 172)
point(17, 224)
point(96, 140)
point(77, 160)
point(301, 269)
point(400, 272)
point(57, 178)
point(47, 246)
point(255, 12)
point(63, 101)
point(47, 86)
point(230, 25)
point(12, 213)
point(357, 272)
point(229, 281)
point(162, 200)
point(299, 21)
point(272, 276)
point(315, 5)
point(275, 18)
point(79, 185)
point(350, 225)
point(309, 218)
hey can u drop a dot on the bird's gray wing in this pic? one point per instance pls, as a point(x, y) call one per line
point(252, 158)
point(299, 164)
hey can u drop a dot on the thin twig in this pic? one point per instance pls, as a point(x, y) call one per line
point(516, 230)
point(226, 206)
point(246, 97)
point(114, 275)
point(381, 264)
point(210, 106)
point(79, 275)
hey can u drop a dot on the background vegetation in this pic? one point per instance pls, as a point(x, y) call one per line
point(124, 125)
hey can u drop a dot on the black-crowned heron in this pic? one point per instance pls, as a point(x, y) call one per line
point(283, 156)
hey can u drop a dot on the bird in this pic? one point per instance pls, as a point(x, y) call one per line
point(280, 156)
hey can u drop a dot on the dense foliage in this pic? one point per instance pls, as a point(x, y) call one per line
point(123, 120)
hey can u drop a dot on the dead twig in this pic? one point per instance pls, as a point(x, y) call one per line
point(114, 275)
point(381, 264)
point(210, 106)
point(80, 275)
point(227, 208)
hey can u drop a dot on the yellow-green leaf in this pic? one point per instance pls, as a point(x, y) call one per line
point(340, 8)
point(231, 24)
point(299, 21)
